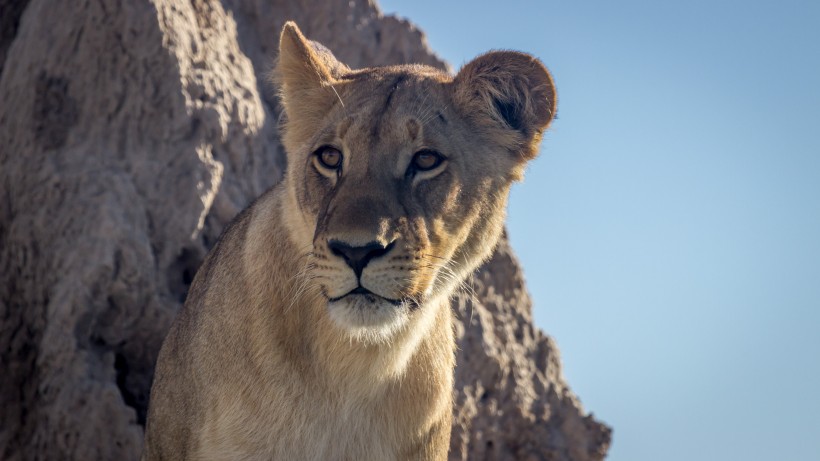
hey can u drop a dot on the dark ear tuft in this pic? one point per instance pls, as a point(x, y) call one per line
point(511, 114)
point(508, 90)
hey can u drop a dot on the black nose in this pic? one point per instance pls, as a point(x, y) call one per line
point(358, 257)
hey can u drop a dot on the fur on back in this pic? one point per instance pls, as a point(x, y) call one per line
point(319, 326)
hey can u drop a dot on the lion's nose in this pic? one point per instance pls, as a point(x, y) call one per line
point(358, 257)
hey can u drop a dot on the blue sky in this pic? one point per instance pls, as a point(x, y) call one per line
point(670, 229)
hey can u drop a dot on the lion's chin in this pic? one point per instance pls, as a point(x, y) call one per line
point(368, 317)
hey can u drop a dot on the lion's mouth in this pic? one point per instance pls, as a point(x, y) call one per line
point(369, 295)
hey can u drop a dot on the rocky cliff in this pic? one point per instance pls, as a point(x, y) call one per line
point(131, 133)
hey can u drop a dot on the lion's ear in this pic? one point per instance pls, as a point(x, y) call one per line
point(508, 90)
point(305, 72)
point(305, 64)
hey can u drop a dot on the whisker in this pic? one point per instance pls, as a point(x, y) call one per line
point(339, 98)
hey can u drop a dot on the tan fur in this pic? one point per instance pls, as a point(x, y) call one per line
point(274, 356)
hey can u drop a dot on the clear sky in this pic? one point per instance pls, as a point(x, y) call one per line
point(670, 229)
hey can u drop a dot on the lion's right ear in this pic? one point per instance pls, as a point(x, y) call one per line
point(300, 66)
point(306, 72)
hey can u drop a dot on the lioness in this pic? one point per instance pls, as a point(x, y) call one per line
point(319, 326)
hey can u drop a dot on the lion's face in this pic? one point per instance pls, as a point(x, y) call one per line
point(399, 177)
point(397, 199)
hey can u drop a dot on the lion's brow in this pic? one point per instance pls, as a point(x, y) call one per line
point(380, 115)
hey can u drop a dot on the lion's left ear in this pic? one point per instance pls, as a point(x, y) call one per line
point(511, 92)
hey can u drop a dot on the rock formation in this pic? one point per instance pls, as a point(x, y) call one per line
point(130, 134)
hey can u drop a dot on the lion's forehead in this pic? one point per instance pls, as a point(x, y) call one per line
point(385, 125)
point(394, 98)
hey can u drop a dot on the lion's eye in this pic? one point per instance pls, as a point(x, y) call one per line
point(425, 160)
point(329, 157)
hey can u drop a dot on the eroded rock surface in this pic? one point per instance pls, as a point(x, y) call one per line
point(512, 402)
point(131, 133)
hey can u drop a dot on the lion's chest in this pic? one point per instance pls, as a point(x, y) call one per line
point(294, 423)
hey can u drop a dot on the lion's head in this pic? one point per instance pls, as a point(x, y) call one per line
point(398, 176)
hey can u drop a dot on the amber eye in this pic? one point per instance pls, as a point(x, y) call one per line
point(329, 157)
point(427, 159)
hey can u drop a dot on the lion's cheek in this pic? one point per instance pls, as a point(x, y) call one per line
point(440, 238)
point(452, 201)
